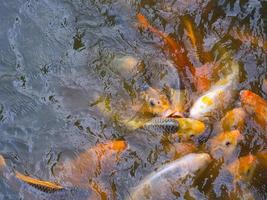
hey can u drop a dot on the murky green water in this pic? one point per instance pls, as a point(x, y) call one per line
point(57, 59)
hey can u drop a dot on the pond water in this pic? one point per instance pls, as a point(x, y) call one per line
point(57, 62)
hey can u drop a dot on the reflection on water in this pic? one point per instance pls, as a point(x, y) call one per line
point(61, 91)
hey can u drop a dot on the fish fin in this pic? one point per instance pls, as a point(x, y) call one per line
point(44, 186)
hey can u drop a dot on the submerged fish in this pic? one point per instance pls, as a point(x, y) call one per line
point(255, 106)
point(89, 163)
point(233, 119)
point(155, 102)
point(243, 168)
point(184, 127)
point(176, 150)
point(218, 97)
point(178, 55)
point(32, 188)
point(224, 144)
point(160, 184)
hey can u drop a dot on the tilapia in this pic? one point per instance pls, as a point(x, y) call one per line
point(160, 184)
point(218, 97)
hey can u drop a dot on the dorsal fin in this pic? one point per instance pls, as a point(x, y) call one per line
point(44, 186)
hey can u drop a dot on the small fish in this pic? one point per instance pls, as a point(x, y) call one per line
point(32, 188)
point(160, 184)
point(224, 144)
point(243, 168)
point(155, 102)
point(178, 54)
point(255, 106)
point(218, 97)
point(233, 119)
point(184, 127)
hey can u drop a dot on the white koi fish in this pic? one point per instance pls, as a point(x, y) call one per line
point(159, 184)
point(218, 97)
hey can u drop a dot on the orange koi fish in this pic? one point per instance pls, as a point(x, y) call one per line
point(32, 188)
point(178, 54)
point(90, 163)
point(255, 106)
point(243, 168)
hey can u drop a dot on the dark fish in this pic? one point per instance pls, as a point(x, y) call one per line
point(162, 125)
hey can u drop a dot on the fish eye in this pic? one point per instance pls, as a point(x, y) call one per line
point(151, 102)
point(191, 135)
point(227, 143)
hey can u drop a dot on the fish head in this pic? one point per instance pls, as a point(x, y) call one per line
point(224, 144)
point(155, 101)
point(243, 168)
point(190, 128)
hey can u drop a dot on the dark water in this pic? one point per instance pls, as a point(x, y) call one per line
point(56, 60)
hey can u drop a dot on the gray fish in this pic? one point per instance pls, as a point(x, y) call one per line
point(162, 125)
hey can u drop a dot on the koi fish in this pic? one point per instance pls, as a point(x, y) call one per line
point(218, 97)
point(224, 144)
point(196, 40)
point(32, 188)
point(155, 102)
point(233, 119)
point(255, 106)
point(243, 168)
point(184, 127)
point(160, 184)
point(178, 55)
point(90, 163)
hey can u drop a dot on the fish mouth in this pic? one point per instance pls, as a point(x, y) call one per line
point(172, 114)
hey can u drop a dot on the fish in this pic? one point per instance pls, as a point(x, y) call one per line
point(243, 168)
point(32, 188)
point(90, 163)
point(155, 102)
point(196, 39)
point(178, 54)
point(160, 183)
point(218, 97)
point(262, 158)
point(233, 119)
point(255, 106)
point(223, 145)
point(184, 127)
